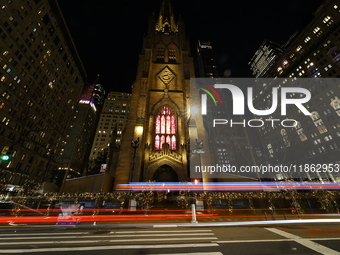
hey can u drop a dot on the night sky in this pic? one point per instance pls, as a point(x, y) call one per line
point(109, 34)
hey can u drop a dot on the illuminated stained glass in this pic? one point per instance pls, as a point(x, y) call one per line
point(173, 124)
point(162, 141)
point(158, 124)
point(165, 128)
point(173, 142)
point(168, 125)
point(162, 124)
point(157, 146)
point(167, 140)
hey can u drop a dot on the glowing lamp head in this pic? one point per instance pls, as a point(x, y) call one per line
point(4, 157)
point(194, 110)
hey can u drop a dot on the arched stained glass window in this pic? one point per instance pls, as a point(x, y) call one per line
point(173, 143)
point(165, 128)
point(157, 145)
point(168, 125)
point(162, 124)
point(173, 124)
point(158, 125)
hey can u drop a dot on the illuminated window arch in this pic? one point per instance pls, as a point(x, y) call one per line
point(165, 128)
point(172, 55)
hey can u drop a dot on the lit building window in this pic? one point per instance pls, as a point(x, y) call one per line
point(300, 132)
point(285, 137)
point(160, 54)
point(172, 55)
point(318, 122)
point(327, 20)
point(335, 103)
point(165, 128)
point(270, 149)
point(315, 30)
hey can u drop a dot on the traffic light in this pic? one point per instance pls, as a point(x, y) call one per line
point(6, 153)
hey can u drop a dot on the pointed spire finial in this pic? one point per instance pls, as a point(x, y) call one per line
point(166, 19)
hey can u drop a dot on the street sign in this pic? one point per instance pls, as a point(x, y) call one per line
point(103, 168)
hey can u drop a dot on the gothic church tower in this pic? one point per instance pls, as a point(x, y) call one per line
point(159, 105)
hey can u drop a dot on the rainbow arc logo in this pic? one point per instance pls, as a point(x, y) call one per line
point(211, 92)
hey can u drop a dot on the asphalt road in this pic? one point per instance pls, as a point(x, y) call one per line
point(196, 240)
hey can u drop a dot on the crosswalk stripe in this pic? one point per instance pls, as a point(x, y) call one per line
point(165, 226)
point(164, 231)
point(115, 247)
point(104, 236)
point(277, 240)
point(192, 253)
point(111, 232)
point(110, 241)
point(45, 234)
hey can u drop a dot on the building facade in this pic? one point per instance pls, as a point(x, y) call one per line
point(207, 66)
point(314, 53)
point(41, 79)
point(155, 142)
point(264, 58)
point(228, 146)
point(110, 128)
point(73, 157)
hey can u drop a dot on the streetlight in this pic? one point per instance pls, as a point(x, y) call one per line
point(134, 145)
point(6, 154)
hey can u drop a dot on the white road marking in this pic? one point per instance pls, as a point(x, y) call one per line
point(108, 241)
point(164, 231)
point(45, 234)
point(253, 241)
point(103, 236)
point(192, 253)
point(305, 242)
point(115, 247)
point(111, 232)
point(274, 240)
point(165, 226)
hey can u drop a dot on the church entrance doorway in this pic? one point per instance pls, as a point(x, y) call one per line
point(165, 173)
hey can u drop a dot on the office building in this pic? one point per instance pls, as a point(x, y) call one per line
point(110, 128)
point(314, 53)
point(73, 157)
point(229, 146)
point(265, 57)
point(41, 79)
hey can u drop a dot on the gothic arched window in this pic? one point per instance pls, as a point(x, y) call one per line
point(172, 55)
point(160, 54)
point(165, 128)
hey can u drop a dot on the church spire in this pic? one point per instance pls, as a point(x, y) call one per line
point(166, 20)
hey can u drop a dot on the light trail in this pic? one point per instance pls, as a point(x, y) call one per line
point(228, 186)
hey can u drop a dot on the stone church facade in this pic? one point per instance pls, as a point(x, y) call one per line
point(159, 121)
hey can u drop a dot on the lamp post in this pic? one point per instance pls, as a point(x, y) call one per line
point(134, 145)
point(199, 148)
point(50, 154)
